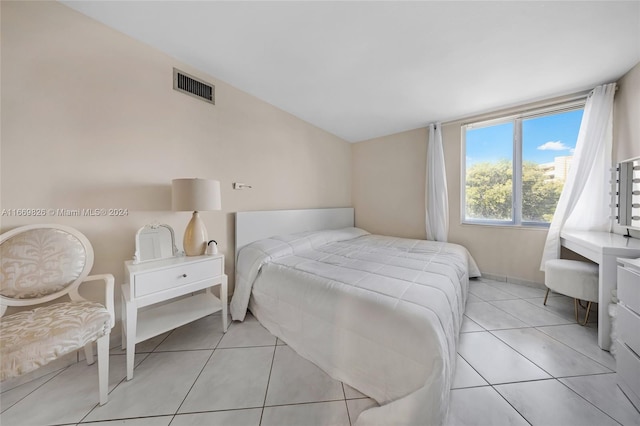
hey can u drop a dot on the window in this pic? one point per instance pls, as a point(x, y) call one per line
point(514, 167)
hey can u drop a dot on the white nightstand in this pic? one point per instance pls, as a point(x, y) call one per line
point(160, 281)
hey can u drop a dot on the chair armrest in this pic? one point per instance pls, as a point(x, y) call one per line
point(109, 283)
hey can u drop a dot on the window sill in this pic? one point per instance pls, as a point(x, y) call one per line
point(544, 227)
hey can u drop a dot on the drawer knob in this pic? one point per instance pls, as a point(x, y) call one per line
point(184, 275)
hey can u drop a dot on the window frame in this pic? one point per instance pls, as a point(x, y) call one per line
point(516, 189)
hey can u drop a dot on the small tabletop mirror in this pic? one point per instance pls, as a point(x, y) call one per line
point(154, 242)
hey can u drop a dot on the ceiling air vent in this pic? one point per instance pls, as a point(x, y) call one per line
point(185, 83)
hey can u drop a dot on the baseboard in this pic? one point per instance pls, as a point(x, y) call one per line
point(494, 277)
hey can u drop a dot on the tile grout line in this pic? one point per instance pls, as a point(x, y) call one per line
point(153, 416)
point(522, 355)
point(530, 325)
point(589, 402)
point(518, 285)
point(553, 376)
point(546, 308)
point(201, 370)
point(266, 391)
point(508, 313)
point(501, 310)
point(469, 318)
point(345, 403)
point(518, 352)
point(474, 369)
point(38, 387)
point(192, 385)
point(489, 383)
point(539, 366)
point(513, 296)
point(535, 328)
point(511, 405)
point(560, 341)
point(524, 381)
point(518, 297)
point(118, 384)
point(324, 401)
point(551, 311)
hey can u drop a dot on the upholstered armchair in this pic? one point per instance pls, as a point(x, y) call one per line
point(39, 264)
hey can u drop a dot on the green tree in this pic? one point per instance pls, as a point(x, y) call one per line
point(539, 194)
point(489, 192)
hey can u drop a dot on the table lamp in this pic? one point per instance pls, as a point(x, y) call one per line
point(195, 195)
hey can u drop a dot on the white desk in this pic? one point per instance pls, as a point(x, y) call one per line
point(603, 248)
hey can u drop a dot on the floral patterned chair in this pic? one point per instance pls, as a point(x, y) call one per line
point(38, 264)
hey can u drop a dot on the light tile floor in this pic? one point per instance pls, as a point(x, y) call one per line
point(518, 363)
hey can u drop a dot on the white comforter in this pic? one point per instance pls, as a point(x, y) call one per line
point(381, 314)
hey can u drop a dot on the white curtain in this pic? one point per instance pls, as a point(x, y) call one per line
point(436, 197)
point(584, 202)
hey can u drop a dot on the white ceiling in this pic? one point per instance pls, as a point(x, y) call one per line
point(364, 69)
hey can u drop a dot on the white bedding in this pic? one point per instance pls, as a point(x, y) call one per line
point(381, 314)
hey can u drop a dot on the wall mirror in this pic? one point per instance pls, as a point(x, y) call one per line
point(629, 193)
point(154, 242)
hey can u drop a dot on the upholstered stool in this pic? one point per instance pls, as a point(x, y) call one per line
point(575, 279)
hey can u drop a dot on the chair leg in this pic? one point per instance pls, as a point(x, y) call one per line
point(88, 353)
point(576, 302)
point(586, 318)
point(545, 297)
point(124, 324)
point(103, 368)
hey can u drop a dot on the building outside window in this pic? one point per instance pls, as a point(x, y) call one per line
point(514, 167)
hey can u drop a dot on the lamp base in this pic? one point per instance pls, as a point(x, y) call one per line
point(195, 237)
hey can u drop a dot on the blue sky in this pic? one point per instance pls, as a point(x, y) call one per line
point(543, 139)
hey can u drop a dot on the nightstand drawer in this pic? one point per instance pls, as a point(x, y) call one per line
point(176, 276)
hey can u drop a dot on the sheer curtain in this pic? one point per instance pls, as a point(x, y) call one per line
point(436, 197)
point(584, 202)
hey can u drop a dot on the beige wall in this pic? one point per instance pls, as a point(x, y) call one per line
point(89, 119)
point(388, 190)
point(388, 184)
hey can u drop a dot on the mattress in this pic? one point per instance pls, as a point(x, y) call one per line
point(379, 313)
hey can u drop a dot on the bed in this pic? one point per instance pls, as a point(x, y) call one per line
point(379, 313)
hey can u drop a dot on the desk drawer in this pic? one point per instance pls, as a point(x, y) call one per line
point(629, 324)
point(176, 276)
point(629, 288)
point(628, 368)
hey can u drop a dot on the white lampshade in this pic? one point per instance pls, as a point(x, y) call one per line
point(195, 195)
